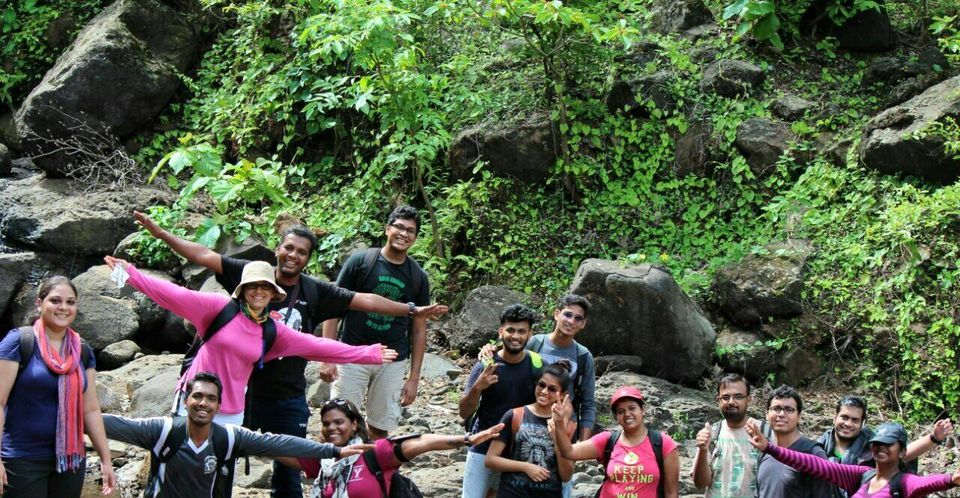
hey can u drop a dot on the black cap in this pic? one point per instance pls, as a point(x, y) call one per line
point(889, 433)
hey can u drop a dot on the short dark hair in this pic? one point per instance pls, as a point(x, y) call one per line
point(405, 212)
point(350, 410)
point(784, 392)
point(518, 313)
point(52, 281)
point(854, 401)
point(560, 369)
point(210, 377)
point(574, 300)
point(732, 378)
point(301, 231)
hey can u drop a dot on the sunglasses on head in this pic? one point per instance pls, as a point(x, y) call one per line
point(339, 403)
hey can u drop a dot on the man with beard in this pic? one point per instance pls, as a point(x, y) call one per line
point(276, 396)
point(775, 479)
point(496, 385)
point(193, 458)
point(730, 471)
point(849, 440)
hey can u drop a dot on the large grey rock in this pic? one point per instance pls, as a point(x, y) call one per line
point(56, 216)
point(746, 353)
point(157, 328)
point(730, 78)
point(118, 386)
point(117, 355)
point(692, 150)
point(8, 132)
point(636, 96)
point(103, 321)
point(675, 16)
point(155, 397)
point(640, 310)
point(477, 322)
point(889, 145)
point(116, 76)
point(618, 363)
point(763, 286)
point(14, 269)
point(668, 407)
point(763, 141)
point(798, 365)
point(526, 151)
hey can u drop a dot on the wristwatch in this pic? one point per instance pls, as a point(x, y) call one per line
point(938, 442)
point(466, 439)
point(413, 308)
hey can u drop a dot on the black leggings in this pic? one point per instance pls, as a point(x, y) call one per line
point(39, 479)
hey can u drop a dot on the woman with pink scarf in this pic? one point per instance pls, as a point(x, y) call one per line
point(46, 407)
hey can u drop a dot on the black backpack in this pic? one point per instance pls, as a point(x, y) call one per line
point(401, 486)
point(895, 483)
point(27, 341)
point(223, 317)
point(656, 441)
point(175, 430)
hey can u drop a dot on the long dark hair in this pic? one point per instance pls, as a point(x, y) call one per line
point(350, 410)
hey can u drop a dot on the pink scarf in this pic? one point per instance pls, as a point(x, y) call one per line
point(70, 449)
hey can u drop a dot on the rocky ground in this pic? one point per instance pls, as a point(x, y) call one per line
point(142, 388)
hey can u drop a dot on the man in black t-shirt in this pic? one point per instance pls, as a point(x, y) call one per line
point(276, 399)
point(496, 385)
point(388, 272)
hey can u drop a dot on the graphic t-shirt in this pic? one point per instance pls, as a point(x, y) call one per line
point(552, 354)
point(734, 465)
point(30, 429)
point(362, 482)
point(632, 471)
point(532, 444)
point(284, 377)
point(391, 281)
point(514, 387)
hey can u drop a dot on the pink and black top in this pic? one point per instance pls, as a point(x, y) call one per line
point(850, 477)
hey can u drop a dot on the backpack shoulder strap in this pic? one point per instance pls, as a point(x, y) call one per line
point(369, 261)
point(536, 365)
point(608, 448)
point(311, 295)
point(896, 485)
point(715, 433)
point(176, 434)
point(230, 310)
point(656, 441)
point(27, 341)
point(223, 442)
point(867, 476)
point(536, 343)
point(269, 337)
point(371, 460)
point(516, 420)
point(417, 275)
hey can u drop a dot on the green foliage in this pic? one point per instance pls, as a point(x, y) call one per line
point(24, 45)
point(772, 21)
point(948, 37)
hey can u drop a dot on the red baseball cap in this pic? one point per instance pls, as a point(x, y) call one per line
point(625, 392)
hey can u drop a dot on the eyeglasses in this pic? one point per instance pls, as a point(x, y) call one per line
point(786, 410)
point(569, 315)
point(404, 229)
point(264, 286)
point(726, 398)
point(541, 385)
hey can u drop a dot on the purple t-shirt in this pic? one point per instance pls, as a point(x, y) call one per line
point(30, 429)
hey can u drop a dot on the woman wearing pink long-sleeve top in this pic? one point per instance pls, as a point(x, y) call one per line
point(235, 349)
point(887, 445)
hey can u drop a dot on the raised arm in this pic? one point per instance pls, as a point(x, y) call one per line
point(941, 430)
point(478, 382)
point(914, 485)
point(191, 251)
point(93, 426)
point(139, 432)
point(199, 308)
point(292, 343)
point(251, 443)
point(374, 303)
point(583, 450)
point(414, 447)
point(702, 475)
